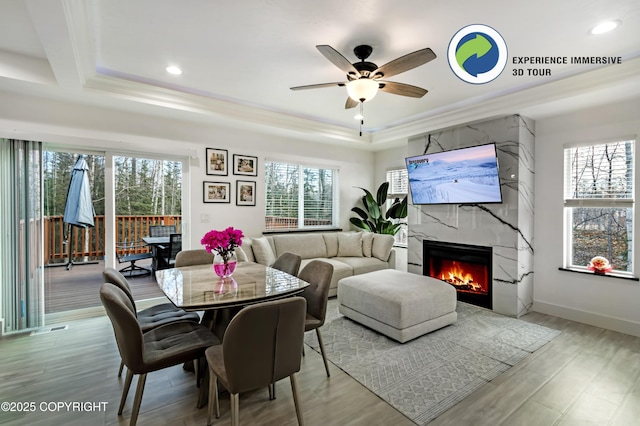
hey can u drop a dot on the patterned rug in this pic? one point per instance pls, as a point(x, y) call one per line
point(427, 376)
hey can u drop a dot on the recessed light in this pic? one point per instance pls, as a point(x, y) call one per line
point(171, 69)
point(604, 27)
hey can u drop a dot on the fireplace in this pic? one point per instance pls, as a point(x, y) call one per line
point(467, 268)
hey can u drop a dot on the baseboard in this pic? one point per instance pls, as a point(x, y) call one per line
point(598, 320)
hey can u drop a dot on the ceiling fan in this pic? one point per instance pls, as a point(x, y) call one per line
point(364, 78)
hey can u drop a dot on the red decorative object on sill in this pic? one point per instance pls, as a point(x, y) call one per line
point(599, 265)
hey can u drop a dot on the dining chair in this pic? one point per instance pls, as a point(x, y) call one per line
point(318, 274)
point(143, 353)
point(152, 317)
point(161, 230)
point(168, 259)
point(262, 344)
point(288, 262)
point(193, 257)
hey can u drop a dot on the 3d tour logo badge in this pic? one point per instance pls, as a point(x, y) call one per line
point(477, 54)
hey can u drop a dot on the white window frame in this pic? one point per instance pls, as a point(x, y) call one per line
point(392, 195)
point(334, 196)
point(570, 203)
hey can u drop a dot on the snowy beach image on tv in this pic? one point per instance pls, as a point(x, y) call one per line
point(466, 175)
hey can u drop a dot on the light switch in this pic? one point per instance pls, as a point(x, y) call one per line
point(204, 218)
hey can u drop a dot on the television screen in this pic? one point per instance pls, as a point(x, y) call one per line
point(465, 175)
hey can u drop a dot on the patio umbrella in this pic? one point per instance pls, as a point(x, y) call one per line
point(78, 209)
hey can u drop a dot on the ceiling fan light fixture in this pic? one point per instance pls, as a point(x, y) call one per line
point(172, 69)
point(362, 89)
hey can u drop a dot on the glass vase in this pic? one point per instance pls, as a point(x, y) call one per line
point(224, 264)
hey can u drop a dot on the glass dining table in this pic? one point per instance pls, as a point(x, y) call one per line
point(198, 288)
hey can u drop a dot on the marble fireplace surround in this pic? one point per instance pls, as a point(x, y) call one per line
point(507, 227)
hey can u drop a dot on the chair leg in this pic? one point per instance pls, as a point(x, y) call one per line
point(125, 390)
point(296, 402)
point(121, 368)
point(324, 356)
point(235, 409)
point(138, 399)
point(213, 398)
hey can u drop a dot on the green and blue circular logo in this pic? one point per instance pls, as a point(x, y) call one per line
point(477, 54)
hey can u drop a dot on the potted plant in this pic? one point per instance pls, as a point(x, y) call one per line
point(371, 216)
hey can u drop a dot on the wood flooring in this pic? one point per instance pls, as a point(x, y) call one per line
point(78, 288)
point(585, 376)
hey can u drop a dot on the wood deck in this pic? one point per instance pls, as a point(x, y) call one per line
point(78, 288)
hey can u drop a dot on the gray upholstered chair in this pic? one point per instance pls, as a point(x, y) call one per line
point(262, 345)
point(152, 317)
point(194, 257)
point(162, 347)
point(318, 274)
point(289, 263)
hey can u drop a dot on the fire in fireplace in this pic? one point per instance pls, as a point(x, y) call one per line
point(466, 267)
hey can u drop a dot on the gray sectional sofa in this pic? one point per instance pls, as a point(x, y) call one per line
point(350, 253)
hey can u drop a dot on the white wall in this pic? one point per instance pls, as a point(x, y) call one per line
point(103, 129)
point(606, 302)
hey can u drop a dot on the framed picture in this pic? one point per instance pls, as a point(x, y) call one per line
point(245, 165)
point(217, 162)
point(216, 192)
point(245, 193)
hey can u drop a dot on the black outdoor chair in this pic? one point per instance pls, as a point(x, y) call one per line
point(168, 260)
point(133, 270)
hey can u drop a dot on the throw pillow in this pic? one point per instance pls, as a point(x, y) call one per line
point(241, 255)
point(350, 245)
point(382, 245)
point(262, 251)
point(331, 242)
point(367, 243)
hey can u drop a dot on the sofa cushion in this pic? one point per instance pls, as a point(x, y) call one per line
point(307, 246)
point(340, 271)
point(362, 265)
point(367, 243)
point(350, 245)
point(262, 251)
point(382, 245)
point(247, 250)
point(331, 241)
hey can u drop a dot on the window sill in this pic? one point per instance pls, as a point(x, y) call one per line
point(298, 230)
point(607, 275)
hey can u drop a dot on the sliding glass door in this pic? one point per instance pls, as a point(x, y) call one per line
point(21, 232)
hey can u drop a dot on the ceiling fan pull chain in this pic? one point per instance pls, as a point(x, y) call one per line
point(361, 116)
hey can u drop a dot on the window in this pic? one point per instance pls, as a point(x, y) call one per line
point(299, 196)
point(599, 204)
point(398, 188)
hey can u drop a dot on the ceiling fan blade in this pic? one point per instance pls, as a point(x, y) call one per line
point(402, 89)
point(350, 103)
point(405, 63)
point(318, 86)
point(337, 59)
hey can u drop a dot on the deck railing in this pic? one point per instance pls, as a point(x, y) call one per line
point(89, 242)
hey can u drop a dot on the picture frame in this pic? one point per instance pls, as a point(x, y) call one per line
point(216, 192)
point(245, 193)
point(217, 162)
point(245, 165)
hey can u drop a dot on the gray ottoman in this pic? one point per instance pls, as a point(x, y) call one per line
point(398, 304)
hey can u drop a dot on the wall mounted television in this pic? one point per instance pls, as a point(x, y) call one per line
point(464, 175)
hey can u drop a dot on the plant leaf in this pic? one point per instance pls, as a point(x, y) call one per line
point(360, 212)
point(381, 197)
point(359, 223)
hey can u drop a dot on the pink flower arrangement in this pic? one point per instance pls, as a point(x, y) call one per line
point(222, 242)
point(599, 265)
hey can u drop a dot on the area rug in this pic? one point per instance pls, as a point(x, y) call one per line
point(425, 377)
